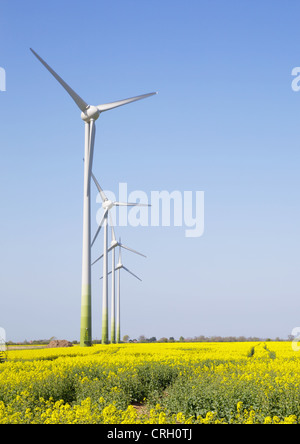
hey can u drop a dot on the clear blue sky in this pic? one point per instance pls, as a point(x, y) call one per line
point(225, 122)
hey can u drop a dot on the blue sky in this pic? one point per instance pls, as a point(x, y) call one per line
point(226, 122)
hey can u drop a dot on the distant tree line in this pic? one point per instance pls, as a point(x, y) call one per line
point(201, 338)
point(144, 339)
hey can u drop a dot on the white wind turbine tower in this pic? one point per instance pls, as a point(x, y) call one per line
point(107, 205)
point(89, 114)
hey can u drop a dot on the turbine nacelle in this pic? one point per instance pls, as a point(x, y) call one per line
point(108, 204)
point(90, 113)
point(114, 244)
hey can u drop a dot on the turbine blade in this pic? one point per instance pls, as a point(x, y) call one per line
point(103, 197)
point(130, 249)
point(82, 105)
point(110, 248)
point(98, 259)
point(128, 271)
point(108, 106)
point(98, 230)
point(107, 274)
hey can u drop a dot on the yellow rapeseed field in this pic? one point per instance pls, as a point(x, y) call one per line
point(173, 383)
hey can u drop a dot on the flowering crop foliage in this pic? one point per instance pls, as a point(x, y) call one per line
point(174, 383)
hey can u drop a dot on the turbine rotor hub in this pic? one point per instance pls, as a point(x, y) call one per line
point(107, 204)
point(90, 113)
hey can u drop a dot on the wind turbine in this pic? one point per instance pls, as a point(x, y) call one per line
point(119, 267)
point(107, 205)
point(89, 114)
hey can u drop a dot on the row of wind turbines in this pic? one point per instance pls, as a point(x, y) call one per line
point(89, 114)
point(107, 220)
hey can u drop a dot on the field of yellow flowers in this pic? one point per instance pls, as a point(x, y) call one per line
point(173, 383)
